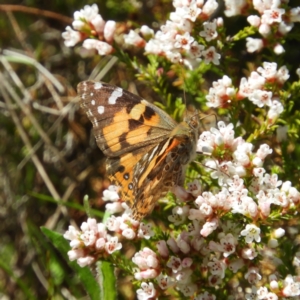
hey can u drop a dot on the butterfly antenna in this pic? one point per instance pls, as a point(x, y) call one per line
point(183, 87)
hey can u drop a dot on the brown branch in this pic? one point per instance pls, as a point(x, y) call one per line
point(36, 11)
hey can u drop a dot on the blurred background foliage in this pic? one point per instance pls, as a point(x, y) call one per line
point(48, 157)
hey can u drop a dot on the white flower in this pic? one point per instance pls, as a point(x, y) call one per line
point(285, 28)
point(251, 232)
point(146, 31)
point(195, 50)
point(283, 74)
point(261, 98)
point(183, 41)
point(179, 214)
point(134, 39)
point(164, 281)
point(291, 287)
point(262, 293)
point(271, 16)
point(112, 244)
point(190, 12)
point(278, 49)
point(109, 31)
point(234, 7)
point(295, 14)
point(228, 243)
point(147, 291)
point(275, 110)
point(263, 151)
point(209, 7)
point(210, 55)
point(254, 44)
point(210, 30)
point(249, 253)
point(205, 296)
point(85, 261)
point(209, 227)
point(71, 37)
point(146, 259)
point(111, 194)
point(103, 48)
point(252, 275)
point(87, 14)
point(264, 29)
point(269, 70)
point(145, 231)
point(217, 267)
point(253, 20)
point(174, 263)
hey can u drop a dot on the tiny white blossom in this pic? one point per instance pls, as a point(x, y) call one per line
point(210, 55)
point(254, 44)
point(71, 37)
point(133, 38)
point(253, 20)
point(291, 287)
point(234, 8)
point(183, 41)
point(103, 48)
point(147, 291)
point(251, 232)
point(111, 194)
point(210, 30)
point(278, 49)
point(252, 275)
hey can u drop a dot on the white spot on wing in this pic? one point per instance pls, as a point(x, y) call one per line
point(97, 85)
point(100, 109)
point(91, 94)
point(93, 102)
point(115, 95)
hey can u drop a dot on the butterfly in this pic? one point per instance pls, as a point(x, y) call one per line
point(147, 150)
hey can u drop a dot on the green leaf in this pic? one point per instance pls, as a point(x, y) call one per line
point(86, 277)
point(107, 281)
point(91, 212)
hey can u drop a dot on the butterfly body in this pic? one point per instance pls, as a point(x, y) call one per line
point(147, 150)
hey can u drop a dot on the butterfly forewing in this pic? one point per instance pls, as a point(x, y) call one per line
point(147, 149)
point(122, 121)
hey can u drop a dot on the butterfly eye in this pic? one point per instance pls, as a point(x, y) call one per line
point(194, 122)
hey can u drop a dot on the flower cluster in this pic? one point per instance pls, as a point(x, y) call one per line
point(234, 160)
point(261, 88)
point(129, 228)
point(90, 28)
point(273, 19)
point(175, 39)
point(91, 243)
point(186, 256)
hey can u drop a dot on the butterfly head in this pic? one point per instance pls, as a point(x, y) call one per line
point(192, 119)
